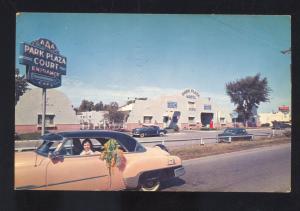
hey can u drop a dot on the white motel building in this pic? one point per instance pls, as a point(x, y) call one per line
point(187, 110)
point(91, 120)
point(60, 115)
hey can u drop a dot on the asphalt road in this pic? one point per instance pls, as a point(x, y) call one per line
point(266, 169)
point(207, 137)
point(168, 139)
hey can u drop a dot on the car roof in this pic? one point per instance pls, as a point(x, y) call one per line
point(82, 134)
point(235, 128)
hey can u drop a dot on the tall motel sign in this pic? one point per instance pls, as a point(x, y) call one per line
point(44, 67)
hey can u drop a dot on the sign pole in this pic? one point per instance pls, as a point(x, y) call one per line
point(44, 111)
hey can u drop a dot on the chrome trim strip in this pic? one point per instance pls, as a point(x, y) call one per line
point(28, 187)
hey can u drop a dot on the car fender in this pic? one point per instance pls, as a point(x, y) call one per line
point(154, 160)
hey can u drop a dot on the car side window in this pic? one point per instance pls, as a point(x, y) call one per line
point(97, 145)
point(76, 146)
point(66, 148)
point(130, 144)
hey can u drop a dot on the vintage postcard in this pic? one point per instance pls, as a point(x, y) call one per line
point(153, 102)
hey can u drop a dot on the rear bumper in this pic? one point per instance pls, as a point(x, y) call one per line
point(162, 174)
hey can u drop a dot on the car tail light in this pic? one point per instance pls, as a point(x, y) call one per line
point(171, 161)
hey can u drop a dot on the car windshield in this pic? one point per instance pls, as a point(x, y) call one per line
point(229, 131)
point(48, 146)
point(131, 144)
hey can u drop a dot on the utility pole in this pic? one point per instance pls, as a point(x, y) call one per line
point(289, 52)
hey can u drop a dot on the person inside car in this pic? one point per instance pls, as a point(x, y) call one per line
point(87, 147)
point(77, 147)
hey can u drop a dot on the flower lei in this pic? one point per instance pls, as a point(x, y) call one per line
point(113, 155)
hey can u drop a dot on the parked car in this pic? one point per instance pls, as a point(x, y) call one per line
point(280, 125)
point(58, 165)
point(234, 134)
point(151, 130)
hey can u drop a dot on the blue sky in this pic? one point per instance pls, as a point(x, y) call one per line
point(113, 57)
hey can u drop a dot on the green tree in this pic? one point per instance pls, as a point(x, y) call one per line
point(247, 93)
point(76, 110)
point(86, 106)
point(21, 85)
point(99, 106)
point(113, 114)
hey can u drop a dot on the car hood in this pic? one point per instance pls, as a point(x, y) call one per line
point(156, 150)
point(31, 158)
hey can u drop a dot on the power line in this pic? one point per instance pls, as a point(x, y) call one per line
point(288, 51)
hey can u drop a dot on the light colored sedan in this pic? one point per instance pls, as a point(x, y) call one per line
point(58, 165)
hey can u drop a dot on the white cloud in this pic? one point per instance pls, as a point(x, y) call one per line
point(76, 90)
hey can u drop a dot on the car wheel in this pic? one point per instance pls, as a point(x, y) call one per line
point(142, 135)
point(150, 185)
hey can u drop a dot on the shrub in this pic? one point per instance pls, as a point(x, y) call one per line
point(265, 125)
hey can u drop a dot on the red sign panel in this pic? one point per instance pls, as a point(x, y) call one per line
point(283, 108)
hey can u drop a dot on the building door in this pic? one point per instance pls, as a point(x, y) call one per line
point(174, 119)
point(206, 118)
point(165, 121)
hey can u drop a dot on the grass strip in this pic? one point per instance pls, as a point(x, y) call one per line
point(196, 150)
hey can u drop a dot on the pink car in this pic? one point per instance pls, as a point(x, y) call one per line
point(58, 165)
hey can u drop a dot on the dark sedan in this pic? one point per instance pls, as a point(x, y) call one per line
point(230, 134)
point(148, 131)
point(280, 125)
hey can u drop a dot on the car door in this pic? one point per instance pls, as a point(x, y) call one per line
point(77, 172)
point(244, 134)
point(154, 131)
point(150, 131)
point(30, 170)
point(146, 131)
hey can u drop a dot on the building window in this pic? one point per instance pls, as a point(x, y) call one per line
point(191, 106)
point(49, 119)
point(165, 119)
point(147, 119)
point(171, 104)
point(191, 120)
point(207, 107)
point(222, 120)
